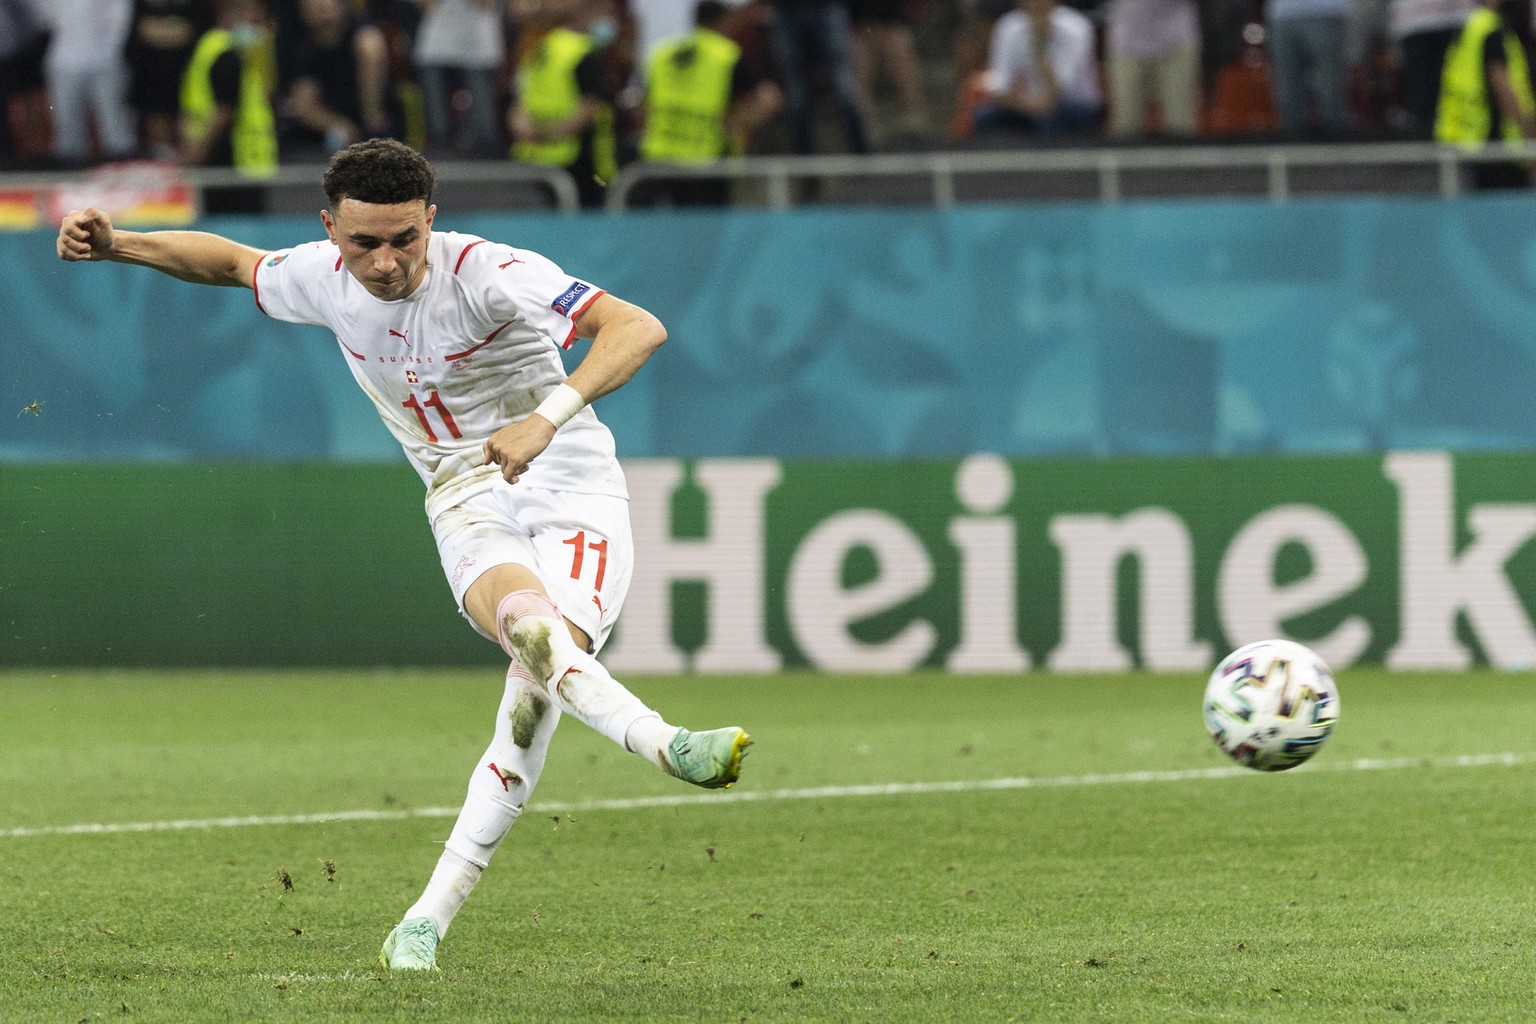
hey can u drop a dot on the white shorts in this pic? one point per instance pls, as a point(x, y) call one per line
point(579, 545)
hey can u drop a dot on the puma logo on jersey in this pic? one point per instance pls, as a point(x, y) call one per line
point(400, 334)
point(509, 262)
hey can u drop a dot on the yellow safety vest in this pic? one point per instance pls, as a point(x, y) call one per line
point(1465, 117)
point(688, 94)
point(253, 136)
point(547, 89)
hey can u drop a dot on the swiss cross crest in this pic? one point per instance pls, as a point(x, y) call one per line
point(410, 377)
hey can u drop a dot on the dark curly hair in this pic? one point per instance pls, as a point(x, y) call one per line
point(380, 171)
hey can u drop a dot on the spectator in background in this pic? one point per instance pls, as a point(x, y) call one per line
point(159, 47)
point(226, 104)
point(563, 115)
point(1153, 52)
point(335, 80)
point(1486, 96)
point(1423, 31)
point(1222, 23)
point(1239, 84)
point(87, 75)
point(1043, 73)
point(973, 36)
point(1309, 51)
point(464, 41)
point(23, 98)
point(702, 102)
point(884, 43)
point(658, 20)
point(808, 33)
point(1375, 71)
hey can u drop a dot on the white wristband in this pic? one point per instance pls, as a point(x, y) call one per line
point(561, 404)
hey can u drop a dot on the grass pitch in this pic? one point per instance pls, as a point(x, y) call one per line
point(870, 866)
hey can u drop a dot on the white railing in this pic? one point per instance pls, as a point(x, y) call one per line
point(778, 174)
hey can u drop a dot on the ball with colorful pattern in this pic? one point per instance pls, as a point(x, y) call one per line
point(1270, 705)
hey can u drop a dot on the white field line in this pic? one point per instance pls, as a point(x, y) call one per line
point(1509, 760)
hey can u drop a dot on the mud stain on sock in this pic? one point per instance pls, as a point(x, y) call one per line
point(527, 712)
point(531, 646)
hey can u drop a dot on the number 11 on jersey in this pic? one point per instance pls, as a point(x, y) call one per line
point(434, 401)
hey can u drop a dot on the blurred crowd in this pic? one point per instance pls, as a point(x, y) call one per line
point(591, 84)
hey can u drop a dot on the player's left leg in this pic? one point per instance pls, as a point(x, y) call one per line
point(533, 631)
point(498, 790)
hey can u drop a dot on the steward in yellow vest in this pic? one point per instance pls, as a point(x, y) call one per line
point(1486, 95)
point(688, 94)
point(701, 104)
point(563, 116)
point(226, 96)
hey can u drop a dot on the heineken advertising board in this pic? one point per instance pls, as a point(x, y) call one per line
point(1419, 560)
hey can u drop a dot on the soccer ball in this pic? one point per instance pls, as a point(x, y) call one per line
point(1270, 705)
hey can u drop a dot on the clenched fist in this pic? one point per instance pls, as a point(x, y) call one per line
point(513, 447)
point(85, 235)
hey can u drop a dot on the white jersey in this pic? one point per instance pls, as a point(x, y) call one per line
point(471, 350)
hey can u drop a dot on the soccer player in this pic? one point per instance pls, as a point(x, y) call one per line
point(454, 339)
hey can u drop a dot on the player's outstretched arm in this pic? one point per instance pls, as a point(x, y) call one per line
point(87, 236)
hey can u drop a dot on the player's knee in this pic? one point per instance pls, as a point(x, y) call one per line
point(515, 611)
point(520, 603)
point(525, 624)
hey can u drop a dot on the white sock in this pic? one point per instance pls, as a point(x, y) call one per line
point(649, 737)
point(502, 781)
point(452, 881)
point(534, 634)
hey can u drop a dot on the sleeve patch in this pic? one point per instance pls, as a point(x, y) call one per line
point(570, 298)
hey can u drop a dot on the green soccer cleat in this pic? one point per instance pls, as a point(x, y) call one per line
point(710, 759)
point(411, 946)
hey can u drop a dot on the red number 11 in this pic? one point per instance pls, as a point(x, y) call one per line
point(435, 401)
point(579, 545)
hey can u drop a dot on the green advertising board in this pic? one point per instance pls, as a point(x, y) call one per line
point(1412, 559)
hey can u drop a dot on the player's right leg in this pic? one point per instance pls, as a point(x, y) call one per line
point(499, 788)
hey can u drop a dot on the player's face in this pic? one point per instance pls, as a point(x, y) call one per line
point(383, 246)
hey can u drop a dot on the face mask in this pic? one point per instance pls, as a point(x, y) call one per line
point(243, 37)
point(604, 31)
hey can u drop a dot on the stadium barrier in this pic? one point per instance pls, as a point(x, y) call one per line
point(1107, 174)
point(1236, 327)
point(147, 191)
point(1419, 560)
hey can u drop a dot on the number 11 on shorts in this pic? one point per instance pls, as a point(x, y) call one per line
point(580, 545)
